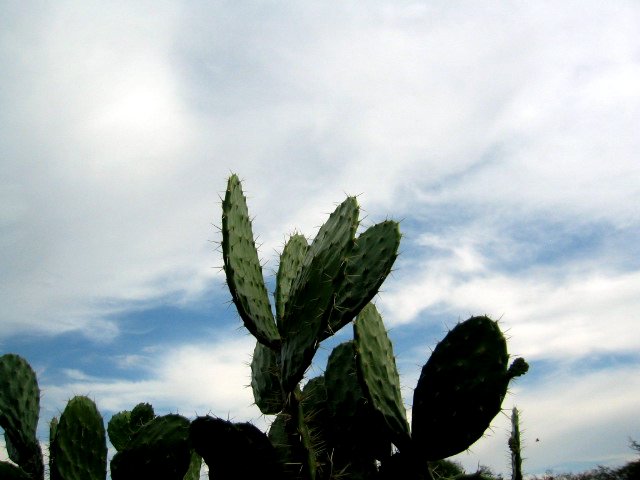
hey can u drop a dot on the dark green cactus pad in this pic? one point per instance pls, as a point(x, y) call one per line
point(19, 412)
point(344, 393)
point(379, 374)
point(193, 472)
point(314, 403)
point(123, 425)
point(119, 430)
point(460, 389)
point(295, 432)
point(287, 445)
point(313, 292)
point(9, 471)
point(53, 429)
point(234, 450)
point(79, 447)
point(357, 430)
point(291, 260)
point(141, 414)
point(242, 267)
point(265, 379)
point(515, 447)
point(160, 449)
point(367, 266)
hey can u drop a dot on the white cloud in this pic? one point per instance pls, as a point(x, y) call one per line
point(568, 309)
point(122, 126)
point(193, 379)
point(583, 417)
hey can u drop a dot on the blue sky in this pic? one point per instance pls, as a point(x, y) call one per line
point(504, 137)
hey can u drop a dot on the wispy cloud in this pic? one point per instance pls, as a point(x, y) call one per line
point(193, 379)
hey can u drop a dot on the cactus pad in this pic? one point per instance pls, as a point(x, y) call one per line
point(234, 450)
point(242, 267)
point(291, 260)
point(460, 389)
point(19, 412)
point(158, 449)
point(377, 369)
point(265, 379)
point(368, 264)
point(79, 447)
point(313, 292)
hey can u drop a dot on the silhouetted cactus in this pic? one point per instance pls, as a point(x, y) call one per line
point(514, 446)
point(320, 288)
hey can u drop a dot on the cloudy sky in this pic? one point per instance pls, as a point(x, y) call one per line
point(503, 136)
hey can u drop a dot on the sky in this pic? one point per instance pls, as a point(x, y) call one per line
point(503, 136)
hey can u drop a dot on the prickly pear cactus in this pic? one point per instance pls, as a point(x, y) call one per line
point(242, 267)
point(265, 379)
point(19, 413)
point(160, 448)
point(312, 294)
point(79, 448)
point(378, 373)
point(343, 423)
point(461, 388)
point(514, 446)
point(234, 450)
point(320, 287)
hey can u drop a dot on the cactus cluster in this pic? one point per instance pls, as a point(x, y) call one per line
point(350, 422)
point(77, 444)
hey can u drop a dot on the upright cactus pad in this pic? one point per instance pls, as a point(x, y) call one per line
point(379, 374)
point(515, 447)
point(357, 429)
point(460, 389)
point(119, 430)
point(242, 267)
point(79, 447)
point(19, 413)
point(291, 259)
point(313, 291)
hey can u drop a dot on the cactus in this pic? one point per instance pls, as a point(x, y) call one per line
point(242, 267)
point(514, 446)
point(150, 445)
point(79, 447)
point(160, 448)
point(342, 424)
point(461, 388)
point(19, 413)
point(354, 412)
point(378, 373)
point(265, 379)
point(234, 450)
point(312, 294)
